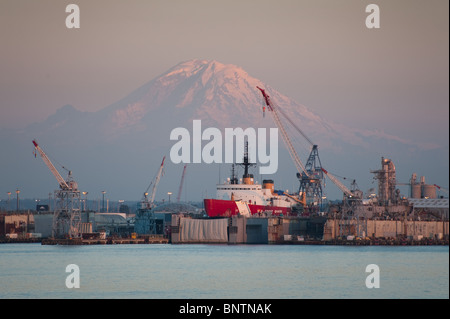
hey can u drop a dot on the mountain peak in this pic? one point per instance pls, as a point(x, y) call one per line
point(64, 113)
point(195, 66)
point(68, 108)
point(209, 88)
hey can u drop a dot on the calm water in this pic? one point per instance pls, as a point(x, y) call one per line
point(222, 271)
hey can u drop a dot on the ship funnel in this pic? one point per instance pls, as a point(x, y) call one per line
point(268, 184)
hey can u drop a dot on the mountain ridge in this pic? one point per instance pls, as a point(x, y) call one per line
point(213, 91)
point(122, 140)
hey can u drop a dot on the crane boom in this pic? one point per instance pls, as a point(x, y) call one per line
point(341, 186)
point(298, 163)
point(59, 178)
point(296, 127)
point(155, 184)
point(181, 184)
point(441, 188)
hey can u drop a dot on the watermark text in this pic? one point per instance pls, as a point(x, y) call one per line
point(189, 147)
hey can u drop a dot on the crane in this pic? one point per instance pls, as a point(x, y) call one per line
point(181, 183)
point(146, 203)
point(271, 107)
point(341, 186)
point(145, 219)
point(67, 214)
point(62, 183)
point(309, 175)
point(441, 188)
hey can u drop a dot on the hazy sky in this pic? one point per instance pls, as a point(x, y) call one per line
point(320, 53)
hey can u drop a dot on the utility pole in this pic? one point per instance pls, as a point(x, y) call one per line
point(9, 200)
point(103, 202)
point(17, 206)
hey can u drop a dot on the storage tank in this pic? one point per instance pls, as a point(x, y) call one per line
point(416, 191)
point(429, 191)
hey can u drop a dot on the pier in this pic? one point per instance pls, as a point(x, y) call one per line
point(370, 242)
point(155, 239)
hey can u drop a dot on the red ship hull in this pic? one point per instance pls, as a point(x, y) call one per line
point(228, 208)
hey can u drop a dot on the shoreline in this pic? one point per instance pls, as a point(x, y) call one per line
point(155, 241)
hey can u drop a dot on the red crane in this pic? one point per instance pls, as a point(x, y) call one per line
point(298, 163)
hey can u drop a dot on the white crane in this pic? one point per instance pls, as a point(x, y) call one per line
point(145, 220)
point(341, 186)
point(65, 185)
point(146, 203)
point(67, 214)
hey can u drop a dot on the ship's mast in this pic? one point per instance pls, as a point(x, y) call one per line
point(234, 179)
point(247, 178)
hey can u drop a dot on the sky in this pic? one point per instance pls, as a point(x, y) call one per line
point(319, 53)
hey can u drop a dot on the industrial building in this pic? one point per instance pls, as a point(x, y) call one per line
point(17, 225)
point(158, 220)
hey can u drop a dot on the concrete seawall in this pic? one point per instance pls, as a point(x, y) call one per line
point(413, 229)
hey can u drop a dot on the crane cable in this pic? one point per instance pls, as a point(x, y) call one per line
point(295, 126)
point(51, 159)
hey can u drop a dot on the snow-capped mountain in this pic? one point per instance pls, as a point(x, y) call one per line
point(220, 95)
point(122, 144)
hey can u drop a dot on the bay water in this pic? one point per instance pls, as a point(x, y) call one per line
point(165, 271)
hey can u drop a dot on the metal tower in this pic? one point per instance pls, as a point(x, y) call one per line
point(67, 214)
point(311, 180)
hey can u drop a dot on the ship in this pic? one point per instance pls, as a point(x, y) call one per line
point(248, 198)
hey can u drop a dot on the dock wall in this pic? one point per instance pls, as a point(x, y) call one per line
point(244, 230)
point(189, 230)
point(335, 228)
